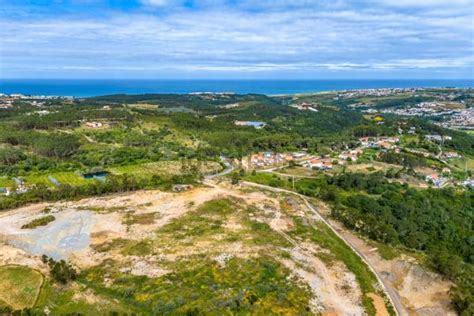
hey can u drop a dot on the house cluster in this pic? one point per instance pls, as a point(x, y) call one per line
point(437, 180)
point(423, 109)
point(379, 142)
point(451, 155)
point(304, 106)
point(229, 106)
point(19, 96)
point(39, 113)
point(255, 124)
point(350, 155)
point(21, 187)
point(370, 111)
point(212, 96)
point(269, 159)
point(437, 138)
point(463, 119)
point(7, 100)
point(318, 163)
point(373, 92)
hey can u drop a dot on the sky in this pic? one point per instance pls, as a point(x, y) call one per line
point(230, 39)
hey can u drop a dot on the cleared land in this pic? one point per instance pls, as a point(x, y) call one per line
point(212, 249)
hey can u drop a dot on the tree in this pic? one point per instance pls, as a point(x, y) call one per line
point(235, 179)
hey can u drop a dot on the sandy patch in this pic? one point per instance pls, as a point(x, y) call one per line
point(420, 291)
point(380, 308)
point(335, 289)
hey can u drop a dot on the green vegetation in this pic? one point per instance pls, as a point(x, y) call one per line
point(436, 222)
point(200, 287)
point(19, 287)
point(42, 221)
point(156, 141)
point(196, 283)
point(60, 271)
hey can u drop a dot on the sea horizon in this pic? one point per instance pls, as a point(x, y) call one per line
point(97, 87)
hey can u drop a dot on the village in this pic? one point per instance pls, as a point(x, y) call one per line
point(272, 161)
point(7, 100)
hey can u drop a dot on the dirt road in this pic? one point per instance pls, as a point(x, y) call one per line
point(389, 291)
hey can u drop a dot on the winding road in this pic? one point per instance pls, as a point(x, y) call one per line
point(389, 291)
point(228, 169)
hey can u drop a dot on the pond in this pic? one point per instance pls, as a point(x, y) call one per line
point(100, 175)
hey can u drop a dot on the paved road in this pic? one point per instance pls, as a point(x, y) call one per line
point(228, 169)
point(389, 291)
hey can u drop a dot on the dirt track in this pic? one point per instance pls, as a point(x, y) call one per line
point(413, 290)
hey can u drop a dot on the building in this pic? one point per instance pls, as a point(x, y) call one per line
point(437, 180)
point(437, 138)
point(317, 163)
point(94, 124)
point(255, 124)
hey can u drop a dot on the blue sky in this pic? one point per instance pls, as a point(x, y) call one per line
point(210, 39)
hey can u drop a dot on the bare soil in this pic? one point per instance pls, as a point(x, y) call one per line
point(421, 291)
point(334, 288)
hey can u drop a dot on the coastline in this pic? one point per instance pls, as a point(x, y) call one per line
point(84, 88)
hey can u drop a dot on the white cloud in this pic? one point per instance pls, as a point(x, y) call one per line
point(428, 3)
point(159, 3)
point(225, 39)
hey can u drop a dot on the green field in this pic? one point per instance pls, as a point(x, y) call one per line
point(6, 182)
point(161, 168)
point(19, 286)
point(36, 179)
point(70, 178)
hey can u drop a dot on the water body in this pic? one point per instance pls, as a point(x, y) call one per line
point(85, 88)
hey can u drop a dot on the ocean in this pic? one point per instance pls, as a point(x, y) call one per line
point(87, 88)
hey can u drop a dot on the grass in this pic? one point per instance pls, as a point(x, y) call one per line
point(207, 220)
point(6, 182)
point(77, 300)
point(268, 179)
point(19, 286)
point(160, 168)
point(70, 178)
point(140, 219)
point(466, 162)
point(200, 286)
point(42, 221)
point(297, 171)
point(38, 179)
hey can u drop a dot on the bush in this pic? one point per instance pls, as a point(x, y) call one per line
point(61, 271)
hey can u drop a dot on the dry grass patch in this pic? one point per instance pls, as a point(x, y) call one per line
point(19, 286)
